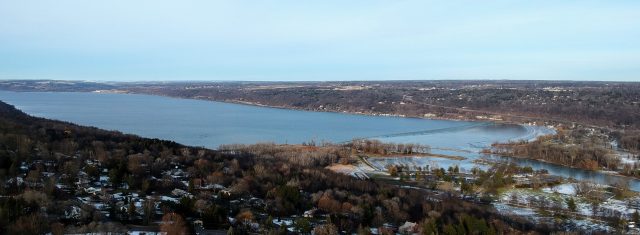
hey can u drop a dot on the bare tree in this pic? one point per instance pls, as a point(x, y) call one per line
point(173, 224)
point(325, 229)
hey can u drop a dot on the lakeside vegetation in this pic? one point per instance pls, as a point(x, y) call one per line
point(582, 148)
point(73, 179)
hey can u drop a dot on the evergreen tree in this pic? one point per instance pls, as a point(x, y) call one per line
point(571, 204)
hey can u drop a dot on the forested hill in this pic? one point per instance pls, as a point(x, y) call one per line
point(63, 178)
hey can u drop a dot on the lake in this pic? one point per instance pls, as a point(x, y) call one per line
point(210, 124)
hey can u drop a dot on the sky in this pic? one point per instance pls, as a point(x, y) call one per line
point(293, 40)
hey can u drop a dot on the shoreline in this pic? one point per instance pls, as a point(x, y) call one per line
point(344, 112)
point(611, 173)
point(255, 104)
point(425, 155)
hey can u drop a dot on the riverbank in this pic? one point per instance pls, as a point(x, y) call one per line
point(611, 173)
point(576, 148)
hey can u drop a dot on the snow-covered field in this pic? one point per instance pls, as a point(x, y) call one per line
point(566, 189)
point(522, 202)
point(627, 158)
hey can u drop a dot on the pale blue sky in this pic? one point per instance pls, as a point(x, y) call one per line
point(120, 40)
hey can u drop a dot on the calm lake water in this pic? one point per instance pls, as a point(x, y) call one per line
point(210, 124)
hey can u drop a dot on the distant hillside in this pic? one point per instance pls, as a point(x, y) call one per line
point(52, 85)
point(605, 104)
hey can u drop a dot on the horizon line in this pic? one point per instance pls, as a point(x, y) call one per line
point(323, 81)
